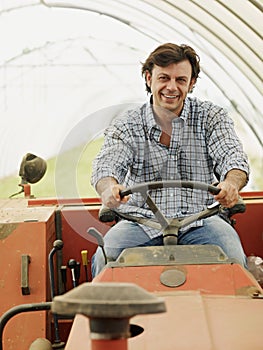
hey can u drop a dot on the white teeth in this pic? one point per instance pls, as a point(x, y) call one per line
point(170, 96)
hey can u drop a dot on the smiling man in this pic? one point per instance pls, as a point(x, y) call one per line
point(170, 85)
point(171, 137)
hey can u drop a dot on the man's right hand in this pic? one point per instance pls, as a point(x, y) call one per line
point(109, 190)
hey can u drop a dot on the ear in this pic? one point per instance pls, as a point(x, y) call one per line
point(192, 83)
point(148, 78)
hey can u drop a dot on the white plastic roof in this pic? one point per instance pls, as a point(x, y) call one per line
point(64, 60)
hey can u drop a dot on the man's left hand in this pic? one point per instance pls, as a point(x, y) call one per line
point(228, 196)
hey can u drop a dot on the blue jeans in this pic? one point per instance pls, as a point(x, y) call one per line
point(127, 234)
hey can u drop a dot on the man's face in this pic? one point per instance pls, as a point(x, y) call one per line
point(170, 85)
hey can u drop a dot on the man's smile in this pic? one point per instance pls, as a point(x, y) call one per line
point(169, 96)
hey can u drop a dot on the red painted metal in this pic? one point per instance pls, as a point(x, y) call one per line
point(213, 309)
point(34, 202)
point(212, 302)
point(24, 231)
point(80, 338)
point(75, 222)
point(201, 322)
point(250, 227)
point(223, 279)
point(192, 321)
point(27, 190)
point(115, 344)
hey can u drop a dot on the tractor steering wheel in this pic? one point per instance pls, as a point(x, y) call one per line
point(169, 227)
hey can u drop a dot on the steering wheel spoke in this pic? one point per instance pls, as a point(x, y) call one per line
point(157, 212)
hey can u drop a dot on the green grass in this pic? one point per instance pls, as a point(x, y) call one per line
point(67, 175)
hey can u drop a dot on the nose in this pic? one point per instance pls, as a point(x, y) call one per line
point(172, 85)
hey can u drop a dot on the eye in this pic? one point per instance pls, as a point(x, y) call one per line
point(163, 78)
point(182, 80)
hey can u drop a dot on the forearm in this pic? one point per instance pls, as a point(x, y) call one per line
point(104, 184)
point(109, 190)
point(237, 178)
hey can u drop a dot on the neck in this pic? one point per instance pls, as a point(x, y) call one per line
point(166, 126)
point(164, 120)
point(165, 138)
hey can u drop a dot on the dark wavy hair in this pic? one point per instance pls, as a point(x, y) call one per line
point(169, 53)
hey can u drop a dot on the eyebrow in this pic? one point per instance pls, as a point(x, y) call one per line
point(179, 77)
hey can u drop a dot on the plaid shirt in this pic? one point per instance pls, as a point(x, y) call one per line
point(203, 147)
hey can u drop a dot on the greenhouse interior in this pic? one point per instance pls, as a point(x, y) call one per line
point(68, 67)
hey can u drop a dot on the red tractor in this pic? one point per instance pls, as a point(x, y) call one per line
point(165, 297)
